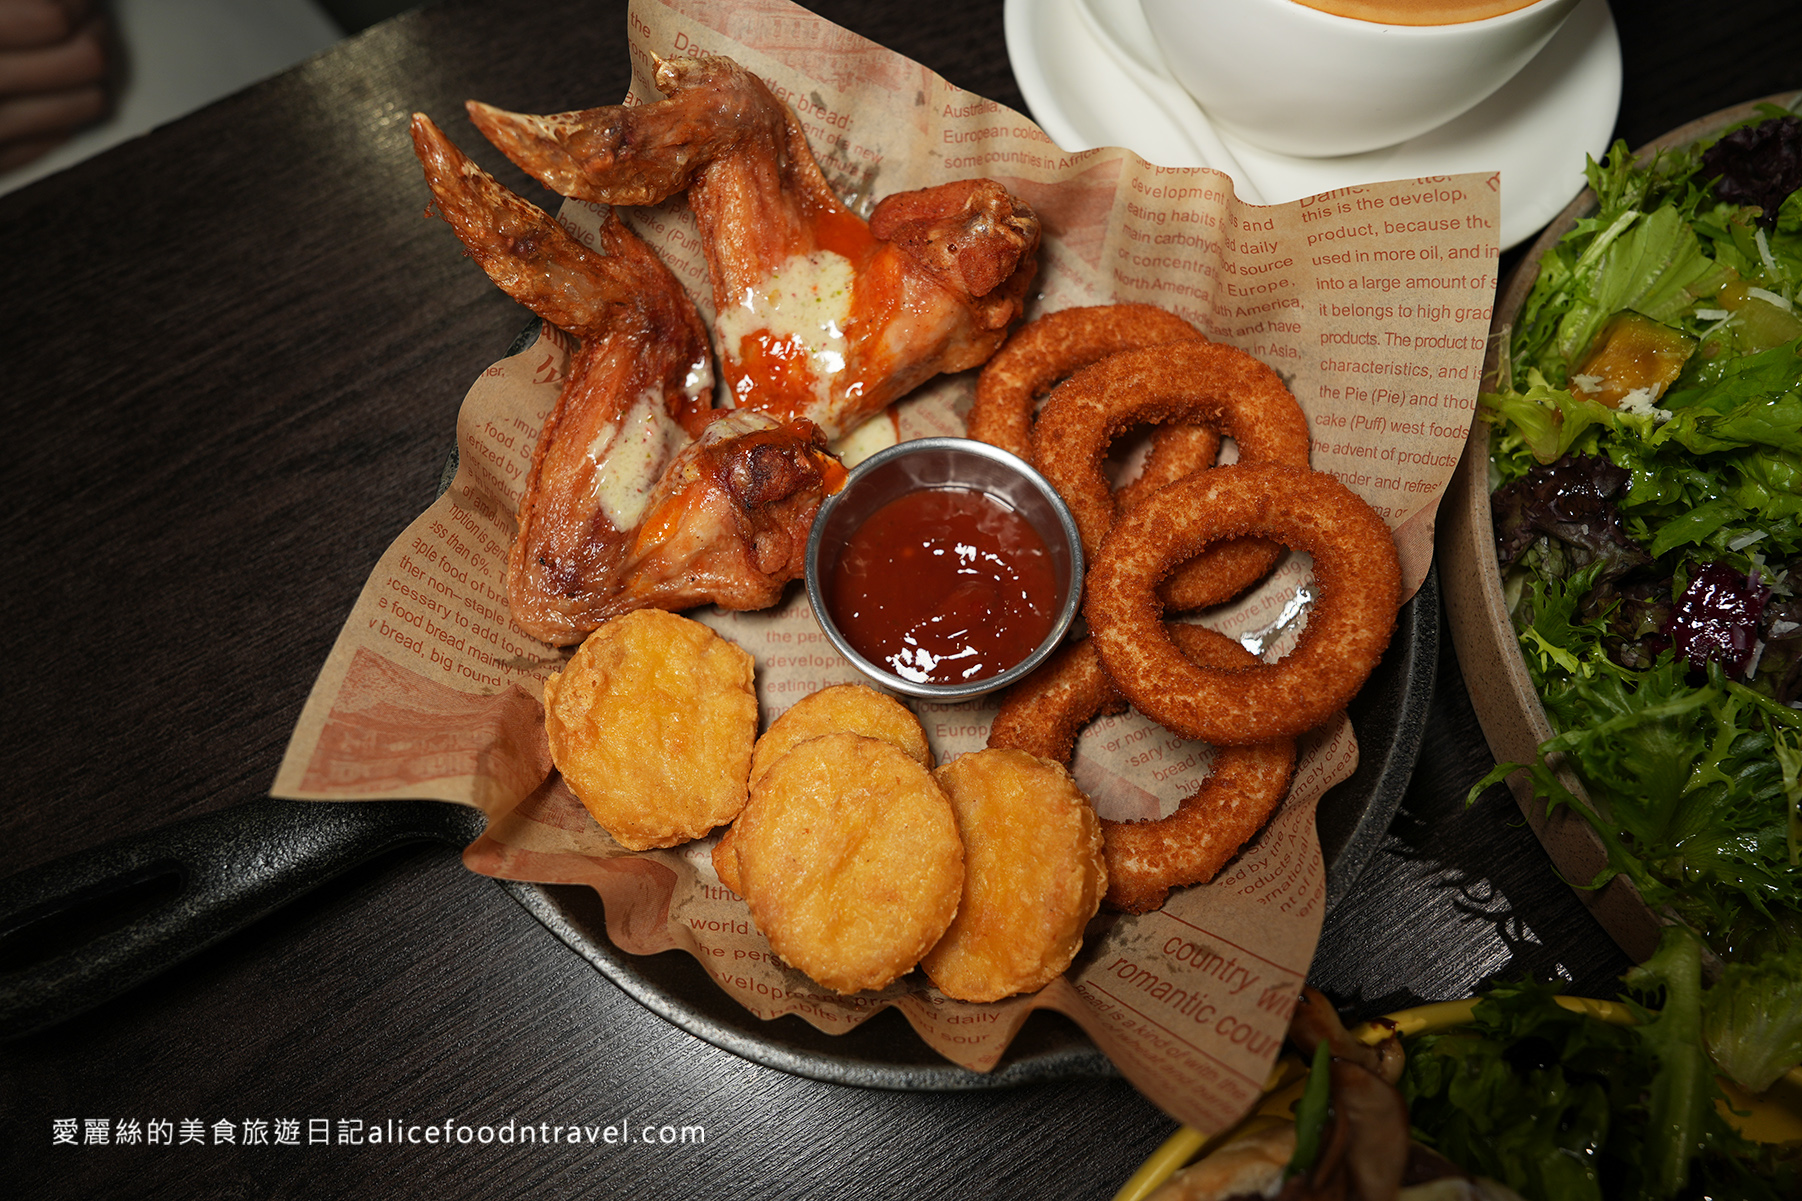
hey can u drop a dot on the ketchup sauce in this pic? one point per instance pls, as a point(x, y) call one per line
point(944, 586)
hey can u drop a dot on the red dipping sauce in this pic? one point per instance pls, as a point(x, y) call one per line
point(944, 586)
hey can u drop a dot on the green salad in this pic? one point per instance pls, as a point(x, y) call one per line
point(1525, 1099)
point(1646, 438)
point(1561, 1106)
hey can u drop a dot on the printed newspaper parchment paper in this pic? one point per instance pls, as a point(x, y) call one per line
point(1373, 302)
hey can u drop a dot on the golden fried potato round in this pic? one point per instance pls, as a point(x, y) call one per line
point(1033, 875)
point(849, 858)
point(652, 722)
point(840, 709)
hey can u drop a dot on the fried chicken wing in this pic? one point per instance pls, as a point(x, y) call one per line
point(618, 293)
point(820, 314)
point(641, 495)
point(729, 520)
point(621, 500)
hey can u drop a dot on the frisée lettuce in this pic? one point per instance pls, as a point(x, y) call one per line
point(1563, 1106)
point(1646, 459)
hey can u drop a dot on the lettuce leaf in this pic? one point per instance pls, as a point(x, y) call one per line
point(1550, 422)
point(1559, 1105)
point(1528, 1094)
point(1755, 401)
point(1683, 1091)
point(1752, 1019)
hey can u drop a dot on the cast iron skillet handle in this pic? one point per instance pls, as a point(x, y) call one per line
point(82, 929)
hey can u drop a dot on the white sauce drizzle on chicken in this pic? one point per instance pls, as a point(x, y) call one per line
point(805, 304)
point(629, 458)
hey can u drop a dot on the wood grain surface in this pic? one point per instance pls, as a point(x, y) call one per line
point(234, 352)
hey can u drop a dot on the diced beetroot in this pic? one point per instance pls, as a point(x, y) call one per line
point(1716, 619)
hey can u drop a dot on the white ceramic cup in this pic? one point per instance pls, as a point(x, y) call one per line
point(1299, 81)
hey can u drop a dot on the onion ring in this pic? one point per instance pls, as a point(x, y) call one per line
point(1043, 714)
point(1207, 382)
point(1357, 580)
point(1146, 859)
point(1048, 349)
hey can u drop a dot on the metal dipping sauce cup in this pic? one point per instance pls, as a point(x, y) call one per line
point(946, 463)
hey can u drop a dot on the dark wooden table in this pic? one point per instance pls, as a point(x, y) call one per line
point(233, 352)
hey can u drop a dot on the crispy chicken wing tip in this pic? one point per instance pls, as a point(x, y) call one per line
point(492, 119)
point(428, 139)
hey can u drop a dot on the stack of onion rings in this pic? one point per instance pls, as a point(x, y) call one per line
point(1206, 382)
point(1185, 535)
point(1045, 351)
point(1043, 714)
point(1357, 579)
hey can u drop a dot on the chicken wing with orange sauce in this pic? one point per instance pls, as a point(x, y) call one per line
point(820, 314)
point(620, 491)
point(729, 520)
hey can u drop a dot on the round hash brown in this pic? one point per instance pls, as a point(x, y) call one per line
point(850, 860)
point(1033, 875)
point(839, 709)
point(652, 722)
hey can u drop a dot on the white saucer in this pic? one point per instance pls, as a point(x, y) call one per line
point(1092, 75)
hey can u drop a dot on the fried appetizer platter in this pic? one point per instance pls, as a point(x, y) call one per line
point(682, 466)
point(642, 493)
point(840, 850)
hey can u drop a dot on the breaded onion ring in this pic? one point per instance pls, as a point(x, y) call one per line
point(1049, 349)
point(1207, 382)
point(1043, 714)
point(1357, 581)
point(1146, 859)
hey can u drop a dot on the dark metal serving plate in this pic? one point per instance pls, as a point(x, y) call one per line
point(1389, 716)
